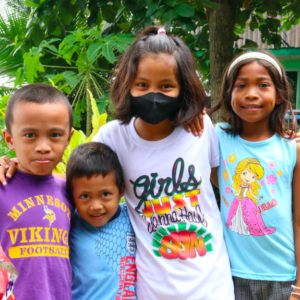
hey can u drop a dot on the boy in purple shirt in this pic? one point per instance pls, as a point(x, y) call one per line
point(35, 212)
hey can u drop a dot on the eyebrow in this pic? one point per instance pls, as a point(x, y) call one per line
point(26, 129)
point(164, 80)
point(261, 77)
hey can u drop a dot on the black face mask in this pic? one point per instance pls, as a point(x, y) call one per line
point(154, 108)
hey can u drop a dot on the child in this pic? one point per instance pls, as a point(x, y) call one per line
point(180, 248)
point(102, 241)
point(258, 174)
point(35, 213)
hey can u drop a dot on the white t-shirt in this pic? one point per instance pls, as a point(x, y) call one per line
point(181, 252)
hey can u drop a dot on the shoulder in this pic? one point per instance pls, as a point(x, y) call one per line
point(109, 132)
point(111, 127)
point(298, 152)
point(124, 210)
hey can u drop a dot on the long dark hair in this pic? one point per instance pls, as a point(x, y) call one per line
point(277, 121)
point(149, 42)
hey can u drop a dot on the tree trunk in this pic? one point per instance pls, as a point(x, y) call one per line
point(221, 25)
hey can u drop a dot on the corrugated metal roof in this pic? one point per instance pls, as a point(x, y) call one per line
point(292, 37)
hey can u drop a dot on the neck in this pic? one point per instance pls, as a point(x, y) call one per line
point(151, 132)
point(256, 132)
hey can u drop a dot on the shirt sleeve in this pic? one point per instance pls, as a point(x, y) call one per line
point(213, 143)
point(105, 135)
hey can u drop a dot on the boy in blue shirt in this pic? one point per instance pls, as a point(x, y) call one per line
point(102, 241)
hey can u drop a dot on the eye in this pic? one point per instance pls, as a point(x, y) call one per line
point(240, 85)
point(264, 85)
point(245, 173)
point(30, 135)
point(142, 85)
point(55, 135)
point(106, 194)
point(167, 86)
point(85, 196)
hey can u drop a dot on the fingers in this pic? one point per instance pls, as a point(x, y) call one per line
point(193, 128)
point(11, 170)
point(2, 175)
point(5, 161)
point(187, 127)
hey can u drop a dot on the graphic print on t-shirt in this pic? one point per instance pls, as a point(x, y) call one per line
point(42, 240)
point(173, 211)
point(244, 216)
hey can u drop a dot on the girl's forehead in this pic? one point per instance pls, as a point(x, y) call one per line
point(253, 69)
point(162, 65)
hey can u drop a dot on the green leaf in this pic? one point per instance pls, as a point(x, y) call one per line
point(68, 53)
point(121, 47)
point(30, 4)
point(170, 2)
point(273, 24)
point(210, 4)
point(108, 53)
point(19, 77)
point(70, 39)
point(57, 31)
point(70, 78)
point(32, 65)
point(187, 24)
point(37, 36)
point(254, 23)
point(109, 13)
point(93, 51)
point(170, 15)
point(250, 45)
point(184, 10)
point(152, 8)
point(65, 16)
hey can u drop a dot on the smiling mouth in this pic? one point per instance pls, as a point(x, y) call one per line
point(251, 107)
point(97, 216)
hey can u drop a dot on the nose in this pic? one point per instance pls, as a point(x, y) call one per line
point(252, 93)
point(43, 146)
point(96, 205)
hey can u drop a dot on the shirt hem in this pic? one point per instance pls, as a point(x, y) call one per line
point(268, 277)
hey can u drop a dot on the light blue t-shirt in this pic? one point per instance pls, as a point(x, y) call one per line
point(255, 181)
point(103, 258)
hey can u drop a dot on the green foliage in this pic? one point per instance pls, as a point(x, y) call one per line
point(4, 150)
point(87, 55)
point(75, 43)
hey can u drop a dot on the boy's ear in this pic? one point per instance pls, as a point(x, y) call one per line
point(8, 139)
point(121, 193)
point(69, 138)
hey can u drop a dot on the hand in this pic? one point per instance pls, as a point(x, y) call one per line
point(7, 168)
point(259, 197)
point(296, 136)
point(196, 126)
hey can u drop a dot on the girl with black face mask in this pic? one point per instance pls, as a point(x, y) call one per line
point(180, 248)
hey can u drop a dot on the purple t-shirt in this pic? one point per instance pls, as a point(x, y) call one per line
point(34, 229)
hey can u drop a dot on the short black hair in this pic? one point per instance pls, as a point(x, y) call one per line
point(37, 93)
point(93, 159)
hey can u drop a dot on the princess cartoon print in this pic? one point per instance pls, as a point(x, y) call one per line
point(243, 217)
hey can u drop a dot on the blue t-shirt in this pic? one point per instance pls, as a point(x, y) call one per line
point(255, 181)
point(103, 258)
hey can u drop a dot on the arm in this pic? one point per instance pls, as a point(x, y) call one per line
point(296, 201)
point(196, 126)
point(214, 176)
point(251, 193)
